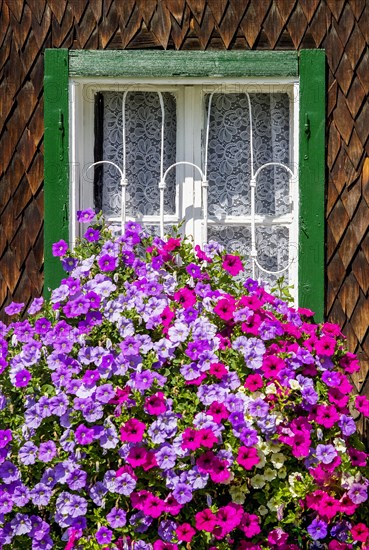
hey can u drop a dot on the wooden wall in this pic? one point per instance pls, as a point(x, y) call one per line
point(339, 26)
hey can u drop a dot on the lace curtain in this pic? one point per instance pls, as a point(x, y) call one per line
point(228, 164)
point(143, 143)
point(229, 153)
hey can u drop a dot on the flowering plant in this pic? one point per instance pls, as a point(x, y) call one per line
point(159, 402)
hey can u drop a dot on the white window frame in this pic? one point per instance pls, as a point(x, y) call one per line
point(191, 129)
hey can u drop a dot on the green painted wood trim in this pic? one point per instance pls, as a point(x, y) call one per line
point(169, 64)
point(312, 181)
point(56, 148)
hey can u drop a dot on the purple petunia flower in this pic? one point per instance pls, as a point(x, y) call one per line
point(104, 535)
point(20, 496)
point(58, 404)
point(60, 248)
point(47, 451)
point(68, 264)
point(77, 506)
point(35, 306)
point(116, 518)
point(14, 308)
point(84, 435)
point(28, 453)
point(41, 494)
point(124, 484)
point(166, 457)
point(109, 438)
point(182, 493)
point(258, 407)
point(97, 493)
point(46, 543)
point(6, 503)
point(347, 425)
point(92, 235)
point(318, 529)
point(107, 262)
point(358, 493)
point(167, 529)
point(22, 377)
point(85, 216)
point(325, 453)
point(76, 479)
point(9, 472)
point(21, 524)
point(105, 393)
point(5, 438)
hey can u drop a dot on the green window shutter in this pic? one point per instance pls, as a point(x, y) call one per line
point(312, 181)
point(56, 148)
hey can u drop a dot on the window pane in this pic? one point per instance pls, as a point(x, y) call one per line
point(143, 147)
point(272, 244)
point(229, 153)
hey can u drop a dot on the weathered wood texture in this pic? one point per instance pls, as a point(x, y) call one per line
point(339, 26)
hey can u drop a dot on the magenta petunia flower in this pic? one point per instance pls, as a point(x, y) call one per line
point(132, 431)
point(362, 405)
point(185, 532)
point(254, 382)
point(250, 525)
point(248, 457)
point(137, 456)
point(232, 264)
point(153, 506)
point(205, 520)
point(185, 297)
point(327, 415)
point(360, 532)
point(155, 404)
point(225, 308)
point(218, 370)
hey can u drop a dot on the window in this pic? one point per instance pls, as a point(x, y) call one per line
point(190, 131)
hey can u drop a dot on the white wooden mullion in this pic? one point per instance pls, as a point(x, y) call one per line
point(187, 180)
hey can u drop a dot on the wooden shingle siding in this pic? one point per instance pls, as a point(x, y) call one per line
point(341, 27)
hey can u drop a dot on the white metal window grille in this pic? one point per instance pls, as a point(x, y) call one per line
point(218, 158)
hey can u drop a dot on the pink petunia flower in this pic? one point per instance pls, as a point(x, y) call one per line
point(232, 264)
point(185, 297)
point(132, 431)
point(205, 520)
point(225, 308)
point(248, 457)
point(250, 525)
point(185, 532)
point(360, 532)
point(327, 415)
point(155, 404)
point(362, 404)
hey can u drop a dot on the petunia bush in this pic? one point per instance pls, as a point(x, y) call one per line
point(159, 400)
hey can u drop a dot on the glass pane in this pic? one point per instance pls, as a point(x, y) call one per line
point(272, 244)
point(143, 146)
point(229, 153)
